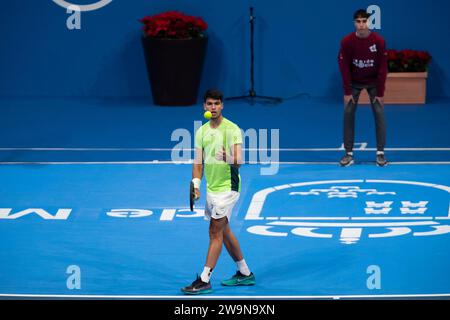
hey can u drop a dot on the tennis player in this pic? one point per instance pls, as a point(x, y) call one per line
point(218, 153)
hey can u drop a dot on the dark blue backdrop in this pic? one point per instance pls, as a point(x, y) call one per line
point(296, 45)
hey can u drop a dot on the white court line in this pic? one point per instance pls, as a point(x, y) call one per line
point(357, 218)
point(97, 162)
point(92, 149)
point(352, 225)
point(192, 149)
point(190, 162)
point(356, 150)
point(314, 218)
point(391, 218)
point(335, 297)
point(362, 162)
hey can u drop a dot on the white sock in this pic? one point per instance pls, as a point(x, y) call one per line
point(380, 152)
point(243, 268)
point(206, 274)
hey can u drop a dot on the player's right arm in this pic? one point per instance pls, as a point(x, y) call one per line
point(197, 171)
point(345, 61)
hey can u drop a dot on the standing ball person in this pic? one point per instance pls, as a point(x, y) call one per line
point(218, 153)
point(363, 65)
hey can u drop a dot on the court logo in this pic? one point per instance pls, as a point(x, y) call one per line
point(351, 210)
point(9, 214)
point(168, 214)
point(74, 20)
point(165, 215)
point(129, 213)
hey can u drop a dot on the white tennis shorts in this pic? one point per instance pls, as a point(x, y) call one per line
point(219, 205)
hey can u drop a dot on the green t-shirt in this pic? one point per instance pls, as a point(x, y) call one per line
point(220, 176)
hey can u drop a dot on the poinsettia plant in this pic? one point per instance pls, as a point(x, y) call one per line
point(173, 25)
point(408, 60)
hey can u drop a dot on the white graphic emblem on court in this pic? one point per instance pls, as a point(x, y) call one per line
point(351, 210)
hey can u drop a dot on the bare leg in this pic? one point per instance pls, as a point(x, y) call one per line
point(216, 231)
point(232, 244)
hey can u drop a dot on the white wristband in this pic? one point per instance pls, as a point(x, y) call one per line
point(197, 182)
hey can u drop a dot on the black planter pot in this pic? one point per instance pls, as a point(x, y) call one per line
point(174, 68)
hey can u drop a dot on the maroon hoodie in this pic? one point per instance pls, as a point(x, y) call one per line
point(363, 60)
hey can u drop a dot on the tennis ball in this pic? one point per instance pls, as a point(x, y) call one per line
point(207, 114)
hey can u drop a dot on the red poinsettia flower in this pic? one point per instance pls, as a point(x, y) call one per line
point(407, 54)
point(392, 54)
point(424, 56)
point(173, 25)
point(408, 60)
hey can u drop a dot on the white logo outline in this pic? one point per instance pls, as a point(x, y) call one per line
point(87, 7)
point(351, 229)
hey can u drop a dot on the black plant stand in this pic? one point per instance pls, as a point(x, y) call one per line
point(252, 97)
point(174, 69)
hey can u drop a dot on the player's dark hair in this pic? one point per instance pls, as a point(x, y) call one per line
point(213, 94)
point(361, 13)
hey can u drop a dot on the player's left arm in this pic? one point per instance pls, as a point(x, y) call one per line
point(233, 157)
point(236, 155)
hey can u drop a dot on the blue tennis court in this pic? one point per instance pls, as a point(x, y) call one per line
point(117, 215)
point(96, 149)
